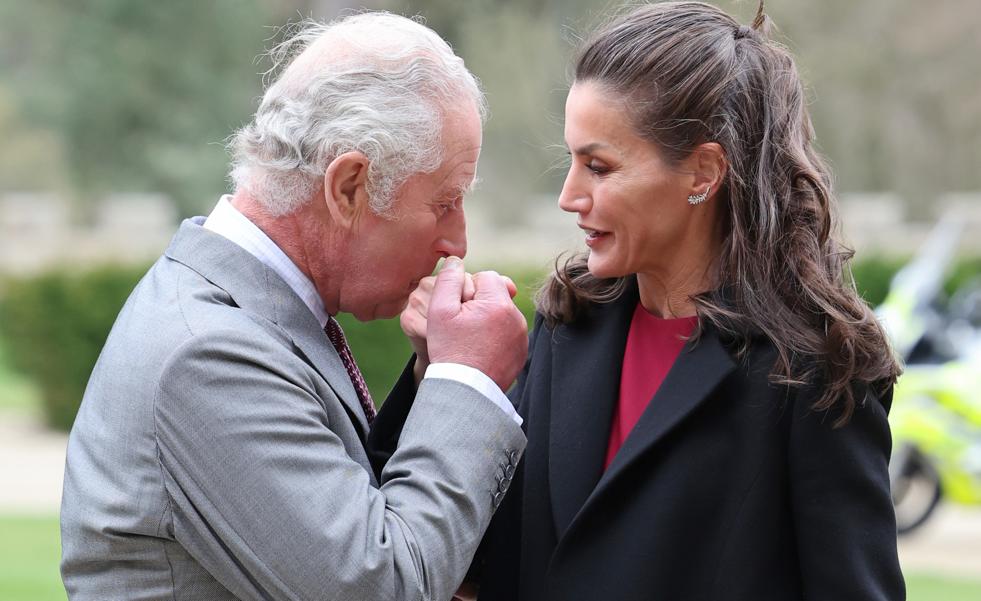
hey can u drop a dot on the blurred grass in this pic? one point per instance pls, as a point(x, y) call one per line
point(30, 551)
point(930, 587)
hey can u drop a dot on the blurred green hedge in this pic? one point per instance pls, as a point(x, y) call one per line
point(54, 326)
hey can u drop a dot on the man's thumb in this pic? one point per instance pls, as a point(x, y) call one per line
point(448, 290)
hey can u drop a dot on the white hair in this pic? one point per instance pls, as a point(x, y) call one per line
point(377, 83)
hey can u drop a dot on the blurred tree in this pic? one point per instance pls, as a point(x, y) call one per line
point(31, 158)
point(896, 91)
point(894, 86)
point(516, 49)
point(142, 93)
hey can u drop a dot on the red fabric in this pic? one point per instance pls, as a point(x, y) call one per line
point(653, 345)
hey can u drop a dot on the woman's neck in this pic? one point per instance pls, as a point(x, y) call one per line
point(667, 292)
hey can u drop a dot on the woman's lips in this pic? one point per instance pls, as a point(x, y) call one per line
point(594, 237)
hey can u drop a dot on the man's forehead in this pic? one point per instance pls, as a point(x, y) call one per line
point(462, 150)
point(343, 47)
point(458, 182)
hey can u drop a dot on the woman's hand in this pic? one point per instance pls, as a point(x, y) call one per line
point(413, 317)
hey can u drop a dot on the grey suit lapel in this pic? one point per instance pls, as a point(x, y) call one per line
point(258, 289)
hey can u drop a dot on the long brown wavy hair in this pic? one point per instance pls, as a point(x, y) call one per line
point(689, 74)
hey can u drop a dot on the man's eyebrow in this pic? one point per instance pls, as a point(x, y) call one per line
point(461, 190)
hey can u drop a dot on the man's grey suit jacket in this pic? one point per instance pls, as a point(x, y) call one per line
point(219, 454)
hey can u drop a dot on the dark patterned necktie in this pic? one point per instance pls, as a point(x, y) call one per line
point(336, 336)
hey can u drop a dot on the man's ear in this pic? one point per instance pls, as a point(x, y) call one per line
point(708, 166)
point(345, 188)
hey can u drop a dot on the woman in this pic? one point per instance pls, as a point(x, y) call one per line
point(706, 394)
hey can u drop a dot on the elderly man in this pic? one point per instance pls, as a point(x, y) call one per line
point(220, 451)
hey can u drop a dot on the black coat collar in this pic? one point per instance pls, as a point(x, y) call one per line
point(586, 363)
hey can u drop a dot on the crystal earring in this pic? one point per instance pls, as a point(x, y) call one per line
point(695, 199)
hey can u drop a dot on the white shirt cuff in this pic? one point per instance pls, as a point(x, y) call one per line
point(476, 379)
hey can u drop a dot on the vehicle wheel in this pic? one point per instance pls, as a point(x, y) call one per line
point(916, 489)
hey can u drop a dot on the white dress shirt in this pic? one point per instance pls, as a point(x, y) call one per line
point(228, 222)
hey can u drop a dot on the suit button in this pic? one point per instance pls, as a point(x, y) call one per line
point(497, 498)
point(509, 471)
point(512, 457)
point(503, 484)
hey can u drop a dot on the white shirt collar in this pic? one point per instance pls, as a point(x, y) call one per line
point(227, 221)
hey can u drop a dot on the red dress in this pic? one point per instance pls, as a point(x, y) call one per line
point(653, 344)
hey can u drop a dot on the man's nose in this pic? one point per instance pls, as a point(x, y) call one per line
point(453, 241)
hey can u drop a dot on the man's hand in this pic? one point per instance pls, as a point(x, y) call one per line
point(414, 316)
point(416, 312)
point(486, 331)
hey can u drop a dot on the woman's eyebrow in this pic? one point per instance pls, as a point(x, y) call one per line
point(591, 148)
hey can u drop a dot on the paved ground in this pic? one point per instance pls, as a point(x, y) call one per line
point(949, 543)
point(32, 462)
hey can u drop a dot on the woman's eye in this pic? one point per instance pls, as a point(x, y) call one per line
point(597, 167)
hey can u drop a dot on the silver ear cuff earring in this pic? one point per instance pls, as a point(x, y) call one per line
point(695, 199)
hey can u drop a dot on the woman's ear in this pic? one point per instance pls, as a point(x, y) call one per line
point(345, 188)
point(708, 166)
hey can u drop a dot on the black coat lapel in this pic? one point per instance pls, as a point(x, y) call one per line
point(386, 429)
point(698, 370)
point(586, 363)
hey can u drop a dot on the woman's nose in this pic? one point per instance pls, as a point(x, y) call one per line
point(574, 198)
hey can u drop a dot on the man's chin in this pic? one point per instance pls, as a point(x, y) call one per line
point(388, 310)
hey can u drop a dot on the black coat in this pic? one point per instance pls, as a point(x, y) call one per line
point(728, 488)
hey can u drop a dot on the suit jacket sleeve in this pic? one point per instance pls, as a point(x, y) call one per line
point(843, 513)
point(265, 496)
